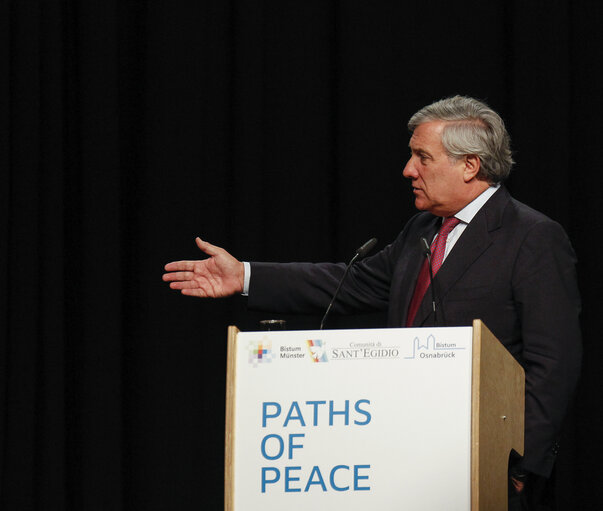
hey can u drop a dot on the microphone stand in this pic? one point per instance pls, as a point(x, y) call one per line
point(360, 253)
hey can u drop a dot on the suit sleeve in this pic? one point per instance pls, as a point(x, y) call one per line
point(546, 295)
point(309, 287)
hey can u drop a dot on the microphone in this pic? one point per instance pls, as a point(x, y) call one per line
point(364, 250)
point(427, 253)
point(360, 253)
point(425, 248)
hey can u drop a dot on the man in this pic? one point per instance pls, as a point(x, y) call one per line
point(493, 258)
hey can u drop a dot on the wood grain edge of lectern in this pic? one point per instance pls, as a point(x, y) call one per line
point(497, 418)
point(231, 361)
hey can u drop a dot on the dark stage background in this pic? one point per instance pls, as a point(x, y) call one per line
point(273, 128)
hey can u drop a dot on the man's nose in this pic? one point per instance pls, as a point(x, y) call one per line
point(409, 171)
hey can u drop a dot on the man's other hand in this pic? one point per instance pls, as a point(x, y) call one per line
point(218, 276)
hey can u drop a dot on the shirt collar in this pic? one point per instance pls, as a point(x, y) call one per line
point(466, 214)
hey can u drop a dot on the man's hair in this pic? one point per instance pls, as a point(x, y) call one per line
point(472, 127)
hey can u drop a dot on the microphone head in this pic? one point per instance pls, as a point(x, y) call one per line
point(366, 248)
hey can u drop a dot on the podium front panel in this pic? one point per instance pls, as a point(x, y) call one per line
point(352, 419)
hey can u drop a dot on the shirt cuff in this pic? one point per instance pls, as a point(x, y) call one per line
point(247, 277)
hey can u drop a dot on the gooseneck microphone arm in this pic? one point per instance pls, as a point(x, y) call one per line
point(360, 253)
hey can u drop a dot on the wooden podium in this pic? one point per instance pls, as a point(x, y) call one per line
point(409, 418)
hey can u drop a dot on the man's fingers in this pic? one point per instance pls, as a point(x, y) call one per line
point(517, 484)
point(203, 278)
point(180, 266)
point(178, 275)
point(184, 284)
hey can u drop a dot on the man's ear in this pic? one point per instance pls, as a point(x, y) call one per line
point(472, 167)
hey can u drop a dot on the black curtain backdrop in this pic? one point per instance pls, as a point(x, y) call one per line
point(275, 129)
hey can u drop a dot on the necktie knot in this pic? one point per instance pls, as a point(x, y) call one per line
point(447, 226)
point(439, 247)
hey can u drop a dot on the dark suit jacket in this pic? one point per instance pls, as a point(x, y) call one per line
point(513, 268)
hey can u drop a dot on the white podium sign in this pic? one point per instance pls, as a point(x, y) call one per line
point(352, 420)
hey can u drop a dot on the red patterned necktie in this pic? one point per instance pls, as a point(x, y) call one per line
point(437, 258)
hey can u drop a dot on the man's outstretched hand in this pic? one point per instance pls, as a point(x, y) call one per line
point(218, 276)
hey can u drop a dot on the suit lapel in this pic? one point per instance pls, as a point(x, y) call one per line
point(469, 247)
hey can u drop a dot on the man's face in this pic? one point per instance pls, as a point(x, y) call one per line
point(438, 182)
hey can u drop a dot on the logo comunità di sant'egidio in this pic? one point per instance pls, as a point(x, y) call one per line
point(365, 350)
point(317, 350)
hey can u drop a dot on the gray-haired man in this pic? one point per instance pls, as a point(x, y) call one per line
point(503, 262)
